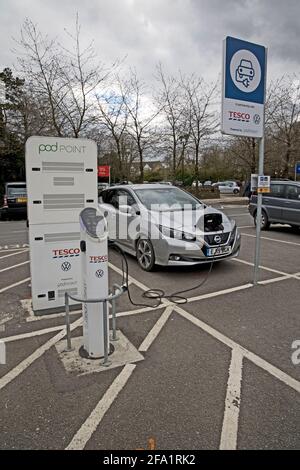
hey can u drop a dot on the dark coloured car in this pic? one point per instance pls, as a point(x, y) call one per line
point(14, 200)
point(280, 206)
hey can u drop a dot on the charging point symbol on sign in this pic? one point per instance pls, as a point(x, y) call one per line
point(245, 71)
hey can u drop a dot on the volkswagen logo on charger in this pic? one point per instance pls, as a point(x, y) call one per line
point(99, 273)
point(217, 239)
point(66, 266)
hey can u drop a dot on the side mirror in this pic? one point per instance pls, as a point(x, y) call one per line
point(125, 209)
point(133, 211)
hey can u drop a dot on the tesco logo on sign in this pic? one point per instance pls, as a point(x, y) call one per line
point(238, 116)
point(65, 252)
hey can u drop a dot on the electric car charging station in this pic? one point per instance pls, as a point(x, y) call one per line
point(68, 239)
point(94, 265)
point(61, 181)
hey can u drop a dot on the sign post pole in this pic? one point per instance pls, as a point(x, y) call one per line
point(297, 170)
point(243, 109)
point(261, 151)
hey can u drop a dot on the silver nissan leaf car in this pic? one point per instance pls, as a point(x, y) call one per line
point(164, 225)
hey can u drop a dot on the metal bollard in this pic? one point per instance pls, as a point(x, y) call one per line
point(106, 362)
point(114, 323)
point(68, 330)
point(113, 314)
point(111, 298)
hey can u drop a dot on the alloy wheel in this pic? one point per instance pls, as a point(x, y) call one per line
point(144, 254)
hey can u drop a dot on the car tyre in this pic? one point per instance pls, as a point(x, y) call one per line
point(145, 254)
point(235, 191)
point(265, 224)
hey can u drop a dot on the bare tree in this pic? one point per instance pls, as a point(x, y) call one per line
point(283, 119)
point(170, 99)
point(67, 78)
point(202, 119)
point(114, 117)
point(140, 116)
point(243, 152)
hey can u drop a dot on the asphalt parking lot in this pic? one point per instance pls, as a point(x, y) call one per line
point(217, 371)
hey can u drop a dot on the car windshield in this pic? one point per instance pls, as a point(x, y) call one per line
point(166, 199)
point(13, 191)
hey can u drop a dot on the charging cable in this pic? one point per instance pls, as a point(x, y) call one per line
point(156, 294)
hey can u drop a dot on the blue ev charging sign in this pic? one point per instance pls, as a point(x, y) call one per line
point(243, 94)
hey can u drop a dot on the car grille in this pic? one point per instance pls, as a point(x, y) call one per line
point(210, 238)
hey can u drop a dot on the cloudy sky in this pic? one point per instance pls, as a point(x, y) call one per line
point(182, 34)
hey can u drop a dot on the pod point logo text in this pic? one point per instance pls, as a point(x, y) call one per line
point(61, 148)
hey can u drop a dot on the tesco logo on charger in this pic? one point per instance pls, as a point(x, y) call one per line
point(99, 259)
point(238, 116)
point(65, 252)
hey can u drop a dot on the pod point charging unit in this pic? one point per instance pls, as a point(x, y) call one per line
point(96, 300)
point(61, 176)
point(94, 264)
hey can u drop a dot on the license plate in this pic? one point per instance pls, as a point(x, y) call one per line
point(22, 199)
point(218, 250)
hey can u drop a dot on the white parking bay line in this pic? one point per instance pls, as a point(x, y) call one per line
point(282, 273)
point(274, 279)
point(15, 284)
point(86, 431)
point(232, 402)
point(219, 292)
point(279, 374)
point(130, 278)
point(31, 334)
point(90, 425)
point(14, 266)
point(271, 239)
point(12, 374)
point(13, 254)
point(156, 330)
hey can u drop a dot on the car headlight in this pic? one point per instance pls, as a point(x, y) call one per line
point(177, 234)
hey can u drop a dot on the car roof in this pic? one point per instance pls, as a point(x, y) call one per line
point(143, 186)
point(284, 181)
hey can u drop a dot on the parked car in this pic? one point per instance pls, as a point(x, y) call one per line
point(227, 187)
point(164, 225)
point(14, 200)
point(280, 206)
point(101, 187)
point(207, 183)
point(194, 184)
